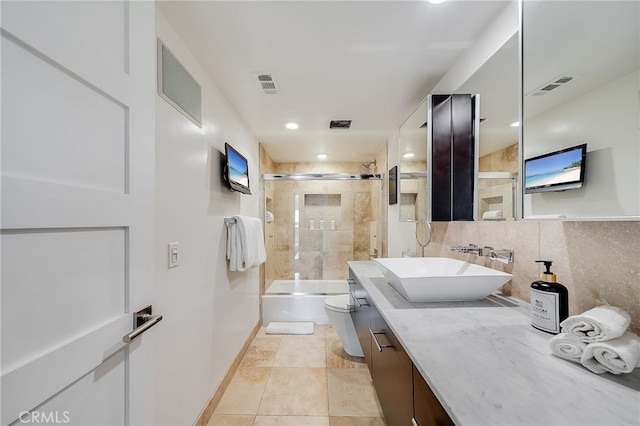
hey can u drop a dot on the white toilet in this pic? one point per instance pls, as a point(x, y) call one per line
point(337, 308)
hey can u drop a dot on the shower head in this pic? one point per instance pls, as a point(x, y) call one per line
point(367, 166)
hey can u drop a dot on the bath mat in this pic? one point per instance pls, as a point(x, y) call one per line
point(289, 328)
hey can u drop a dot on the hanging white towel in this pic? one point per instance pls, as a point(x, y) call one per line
point(568, 347)
point(245, 243)
point(617, 356)
point(598, 324)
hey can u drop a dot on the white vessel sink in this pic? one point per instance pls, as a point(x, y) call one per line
point(434, 279)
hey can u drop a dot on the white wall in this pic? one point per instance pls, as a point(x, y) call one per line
point(607, 120)
point(208, 311)
point(505, 25)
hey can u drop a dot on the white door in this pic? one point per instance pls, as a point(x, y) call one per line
point(78, 97)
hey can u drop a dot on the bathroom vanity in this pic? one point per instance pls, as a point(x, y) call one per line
point(476, 363)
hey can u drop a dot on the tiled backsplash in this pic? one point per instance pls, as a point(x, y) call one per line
point(598, 262)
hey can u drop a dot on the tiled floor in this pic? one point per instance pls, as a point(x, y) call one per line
point(304, 380)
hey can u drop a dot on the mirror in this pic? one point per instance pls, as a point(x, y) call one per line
point(497, 83)
point(581, 85)
point(413, 166)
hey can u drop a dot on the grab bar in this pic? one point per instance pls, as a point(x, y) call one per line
point(375, 340)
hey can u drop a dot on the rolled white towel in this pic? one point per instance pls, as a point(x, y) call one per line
point(492, 214)
point(568, 347)
point(598, 324)
point(617, 356)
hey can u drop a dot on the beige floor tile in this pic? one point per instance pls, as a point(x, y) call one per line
point(338, 358)
point(244, 392)
point(330, 333)
point(301, 351)
point(261, 353)
point(231, 420)
point(295, 391)
point(291, 421)
point(351, 393)
point(319, 330)
point(356, 421)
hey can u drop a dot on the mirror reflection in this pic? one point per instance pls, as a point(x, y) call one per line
point(497, 83)
point(413, 166)
point(581, 85)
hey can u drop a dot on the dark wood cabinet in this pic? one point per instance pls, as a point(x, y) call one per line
point(391, 369)
point(427, 410)
point(361, 312)
point(452, 156)
point(402, 391)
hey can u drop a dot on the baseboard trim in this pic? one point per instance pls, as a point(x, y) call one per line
point(210, 407)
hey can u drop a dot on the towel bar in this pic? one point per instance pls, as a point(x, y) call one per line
point(230, 220)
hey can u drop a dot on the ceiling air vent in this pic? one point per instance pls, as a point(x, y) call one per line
point(550, 85)
point(340, 124)
point(267, 83)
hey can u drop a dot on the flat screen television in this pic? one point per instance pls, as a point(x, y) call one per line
point(236, 170)
point(556, 171)
point(393, 185)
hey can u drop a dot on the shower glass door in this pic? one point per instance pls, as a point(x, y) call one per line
point(318, 225)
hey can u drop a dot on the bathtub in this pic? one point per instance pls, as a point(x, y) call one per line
point(299, 300)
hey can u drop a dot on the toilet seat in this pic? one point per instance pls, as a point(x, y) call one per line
point(339, 303)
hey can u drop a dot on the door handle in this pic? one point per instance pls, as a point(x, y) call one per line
point(142, 321)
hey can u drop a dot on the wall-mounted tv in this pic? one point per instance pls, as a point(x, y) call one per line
point(393, 185)
point(556, 171)
point(236, 170)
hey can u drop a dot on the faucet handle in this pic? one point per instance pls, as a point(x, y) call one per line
point(504, 255)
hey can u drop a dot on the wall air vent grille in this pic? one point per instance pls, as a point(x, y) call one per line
point(339, 124)
point(267, 83)
point(551, 85)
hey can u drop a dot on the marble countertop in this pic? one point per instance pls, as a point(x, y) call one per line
point(488, 366)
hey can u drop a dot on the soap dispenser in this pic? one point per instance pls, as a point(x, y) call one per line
point(549, 301)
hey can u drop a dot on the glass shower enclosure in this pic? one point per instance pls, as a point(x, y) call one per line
point(317, 222)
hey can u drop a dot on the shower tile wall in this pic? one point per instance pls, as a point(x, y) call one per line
point(497, 194)
point(322, 253)
point(504, 160)
point(361, 220)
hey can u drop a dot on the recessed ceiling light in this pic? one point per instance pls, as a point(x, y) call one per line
point(408, 154)
point(515, 124)
point(322, 156)
point(436, 1)
point(291, 125)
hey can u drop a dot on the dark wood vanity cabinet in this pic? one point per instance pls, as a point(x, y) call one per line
point(391, 369)
point(427, 410)
point(361, 312)
point(404, 395)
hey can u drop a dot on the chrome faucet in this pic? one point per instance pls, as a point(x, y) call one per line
point(471, 248)
point(501, 255)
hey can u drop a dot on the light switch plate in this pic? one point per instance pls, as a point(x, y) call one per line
point(173, 255)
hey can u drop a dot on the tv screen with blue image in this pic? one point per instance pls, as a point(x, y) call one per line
point(556, 171)
point(236, 170)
